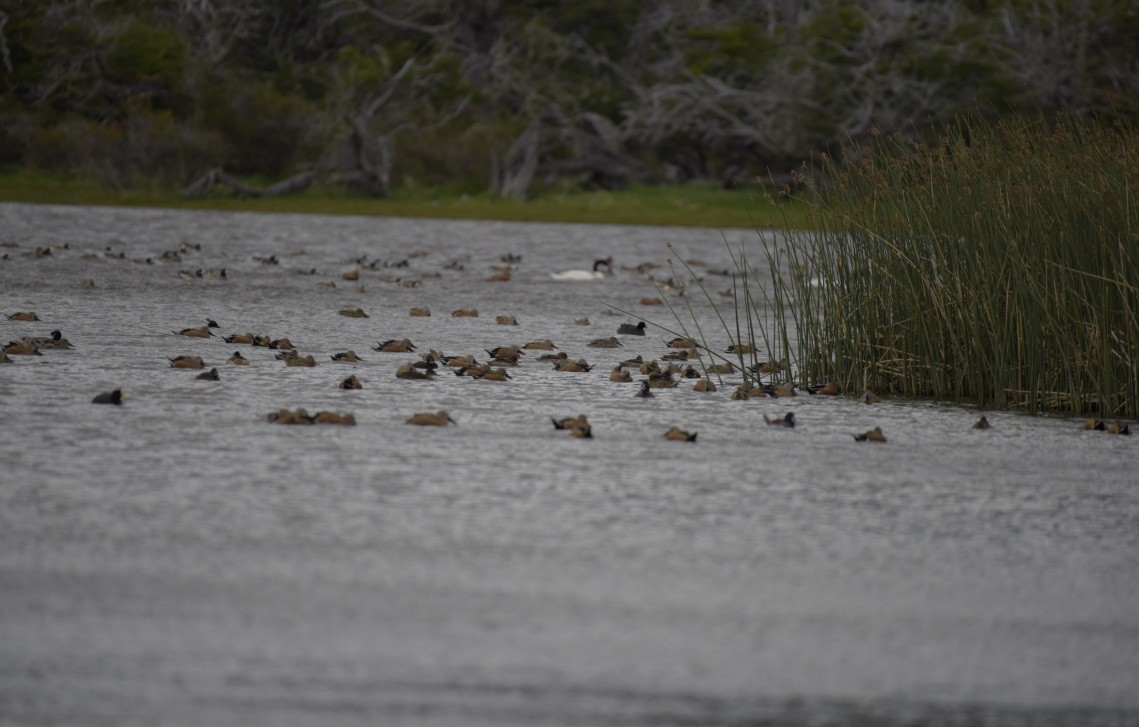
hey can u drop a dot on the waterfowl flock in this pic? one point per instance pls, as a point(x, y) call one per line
point(682, 357)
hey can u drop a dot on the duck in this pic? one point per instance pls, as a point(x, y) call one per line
point(636, 361)
point(247, 339)
point(289, 416)
point(559, 356)
point(187, 362)
point(506, 321)
point(504, 351)
point(869, 397)
point(646, 390)
point(474, 370)
point(420, 312)
point(346, 357)
point(465, 313)
point(211, 375)
point(771, 367)
point(24, 316)
point(662, 380)
point(54, 340)
point(610, 342)
point(352, 313)
point(601, 270)
point(573, 367)
point(581, 321)
point(282, 344)
point(704, 385)
point(577, 426)
point(982, 423)
point(198, 332)
point(499, 275)
point(1119, 428)
point(544, 344)
point(677, 434)
point(567, 422)
point(459, 361)
point(827, 389)
point(237, 360)
point(691, 373)
point(498, 374)
point(628, 329)
point(428, 419)
point(403, 345)
point(722, 368)
point(1095, 424)
point(741, 348)
point(109, 397)
point(874, 435)
point(621, 376)
point(333, 417)
point(507, 359)
point(351, 383)
point(306, 361)
point(22, 348)
point(408, 371)
point(681, 343)
point(785, 389)
point(505, 356)
point(787, 421)
point(681, 355)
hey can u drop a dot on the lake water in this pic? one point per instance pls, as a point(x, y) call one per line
point(180, 561)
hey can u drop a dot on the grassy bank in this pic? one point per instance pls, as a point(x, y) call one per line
point(688, 205)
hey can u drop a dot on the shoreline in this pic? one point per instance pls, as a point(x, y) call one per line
point(672, 206)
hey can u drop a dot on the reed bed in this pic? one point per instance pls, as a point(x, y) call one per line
point(999, 266)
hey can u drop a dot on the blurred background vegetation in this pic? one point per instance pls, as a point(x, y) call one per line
point(514, 98)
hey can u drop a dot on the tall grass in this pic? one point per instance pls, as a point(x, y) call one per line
point(998, 266)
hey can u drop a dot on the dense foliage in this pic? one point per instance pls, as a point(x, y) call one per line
point(512, 95)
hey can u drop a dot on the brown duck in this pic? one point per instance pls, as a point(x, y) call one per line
point(610, 342)
point(403, 345)
point(333, 417)
point(676, 434)
point(410, 372)
point(619, 375)
point(573, 367)
point(874, 435)
point(428, 419)
point(187, 362)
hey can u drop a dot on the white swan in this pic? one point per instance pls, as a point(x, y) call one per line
point(601, 269)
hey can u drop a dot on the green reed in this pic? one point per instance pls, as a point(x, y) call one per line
point(998, 266)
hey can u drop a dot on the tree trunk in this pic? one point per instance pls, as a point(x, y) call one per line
point(515, 172)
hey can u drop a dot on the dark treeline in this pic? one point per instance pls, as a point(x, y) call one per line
point(517, 95)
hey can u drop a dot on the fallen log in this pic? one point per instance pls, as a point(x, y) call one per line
point(217, 176)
